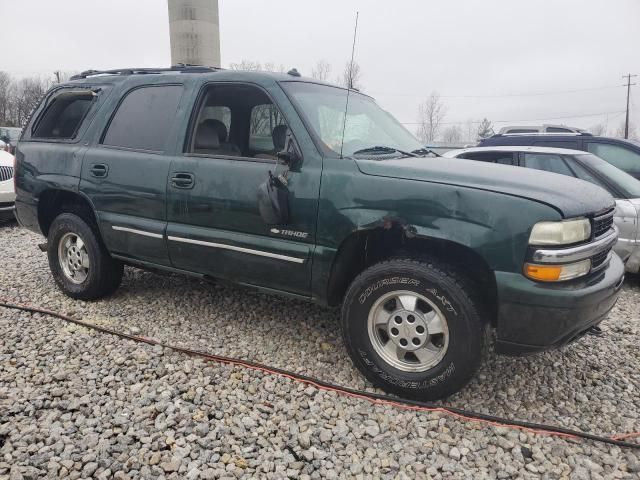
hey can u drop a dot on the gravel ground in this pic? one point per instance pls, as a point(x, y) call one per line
point(77, 403)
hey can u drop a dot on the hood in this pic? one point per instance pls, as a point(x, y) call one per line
point(6, 159)
point(570, 196)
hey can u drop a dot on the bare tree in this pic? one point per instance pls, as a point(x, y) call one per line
point(452, 134)
point(633, 133)
point(28, 95)
point(60, 76)
point(430, 115)
point(247, 65)
point(252, 66)
point(6, 94)
point(321, 71)
point(471, 132)
point(485, 129)
point(599, 129)
point(351, 76)
point(18, 98)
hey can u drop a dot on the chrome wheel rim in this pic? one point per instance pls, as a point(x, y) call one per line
point(408, 331)
point(73, 257)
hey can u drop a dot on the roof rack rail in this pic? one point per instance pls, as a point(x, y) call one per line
point(545, 134)
point(181, 67)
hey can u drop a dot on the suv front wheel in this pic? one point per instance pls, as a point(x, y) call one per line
point(79, 262)
point(412, 328)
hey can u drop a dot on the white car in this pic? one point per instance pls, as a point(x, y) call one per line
point(585, 166)
point(7, 193)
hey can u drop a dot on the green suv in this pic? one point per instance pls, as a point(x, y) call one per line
point(264, 180)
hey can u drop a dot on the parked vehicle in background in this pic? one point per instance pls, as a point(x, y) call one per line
point(174, 169)
point(624, 154)
point(524, 129)
point(585, 166)
point(10, 136)
point(7, 194)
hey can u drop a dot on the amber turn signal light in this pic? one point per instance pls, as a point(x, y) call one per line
point(556, 273)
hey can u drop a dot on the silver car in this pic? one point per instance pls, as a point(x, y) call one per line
point(586, 166)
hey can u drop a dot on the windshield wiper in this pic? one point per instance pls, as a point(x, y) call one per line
point(382, 150)
point(425, 151)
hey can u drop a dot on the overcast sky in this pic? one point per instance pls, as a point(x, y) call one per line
point(508, 60)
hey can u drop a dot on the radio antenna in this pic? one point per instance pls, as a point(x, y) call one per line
point(349, 83)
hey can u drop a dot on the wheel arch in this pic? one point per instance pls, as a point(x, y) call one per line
point(54, 201)
point(363, 248)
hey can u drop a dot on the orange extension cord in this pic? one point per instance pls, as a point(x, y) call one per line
point(530, 427)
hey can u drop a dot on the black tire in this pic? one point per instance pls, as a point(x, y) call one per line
point(448, 290)
point(104, 274)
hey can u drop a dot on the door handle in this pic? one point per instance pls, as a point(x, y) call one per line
point(183, 180)
point(99, 170)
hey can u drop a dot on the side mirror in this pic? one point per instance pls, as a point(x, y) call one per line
point(291, 155)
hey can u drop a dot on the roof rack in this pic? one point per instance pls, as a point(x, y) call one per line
point(546, 134)
point(181, 67)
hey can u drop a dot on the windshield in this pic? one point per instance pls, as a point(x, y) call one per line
point(367, 125)
point(622, 180)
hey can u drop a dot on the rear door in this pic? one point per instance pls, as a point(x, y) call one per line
point(125, 172)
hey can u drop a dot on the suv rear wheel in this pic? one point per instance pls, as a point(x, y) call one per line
point(79, 262)
point(412, 328)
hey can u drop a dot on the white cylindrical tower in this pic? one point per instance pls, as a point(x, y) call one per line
point(194, 30)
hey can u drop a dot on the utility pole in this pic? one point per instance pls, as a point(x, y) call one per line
point(628, 85)
point(57, 74)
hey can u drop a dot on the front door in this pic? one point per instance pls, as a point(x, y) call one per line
point(125, 173)
point(214, 223)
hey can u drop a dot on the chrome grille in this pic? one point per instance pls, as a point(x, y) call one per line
point(602, 223)
point(598, 259)
point(6, 173)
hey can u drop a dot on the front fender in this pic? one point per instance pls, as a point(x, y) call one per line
point(494, 225)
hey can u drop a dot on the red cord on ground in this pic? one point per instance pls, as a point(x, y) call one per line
point(370, 397)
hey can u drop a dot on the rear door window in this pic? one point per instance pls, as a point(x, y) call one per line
point(547, 162)
point(63, 115)
point(143, 119)
point(618, 156)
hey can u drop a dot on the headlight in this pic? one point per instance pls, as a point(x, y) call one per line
point(557, 273)
point(560, 233)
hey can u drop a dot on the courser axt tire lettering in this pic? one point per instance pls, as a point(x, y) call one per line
point(428, 338)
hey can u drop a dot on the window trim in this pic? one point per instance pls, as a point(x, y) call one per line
point(115, 111)
point(195, 114)
point(49, 100)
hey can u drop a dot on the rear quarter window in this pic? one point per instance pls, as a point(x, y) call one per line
point(63, 115)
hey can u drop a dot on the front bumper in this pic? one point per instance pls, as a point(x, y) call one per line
point(7, 199)
point(534, 317)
